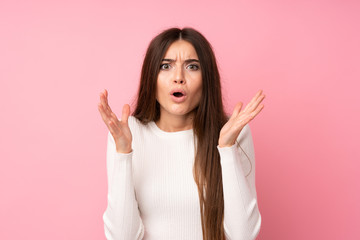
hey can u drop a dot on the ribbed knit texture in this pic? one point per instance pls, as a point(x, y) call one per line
point(152, 194)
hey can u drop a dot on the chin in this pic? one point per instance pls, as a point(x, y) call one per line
point(181, 112)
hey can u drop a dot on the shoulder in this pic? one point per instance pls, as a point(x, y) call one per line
point(134, 123)
point(137, 128)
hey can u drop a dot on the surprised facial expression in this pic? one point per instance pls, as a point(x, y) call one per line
point(179, 83)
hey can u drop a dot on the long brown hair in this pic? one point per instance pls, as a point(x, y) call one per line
point(208, 121)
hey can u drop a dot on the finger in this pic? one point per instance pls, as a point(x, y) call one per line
point(114, 129)
point(103, 96)
point(256, 104)
point(106, 118)
point(236, 110)
point(253, 105)
point(253, 100)
point(105, 104)
point(114, 118)
point(106, 96)
point(103, 100)
point(257, 110)
point(106, 113)
point(104, 109)
point(125, 113)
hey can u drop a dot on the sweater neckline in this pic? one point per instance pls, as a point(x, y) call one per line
point(162, 133)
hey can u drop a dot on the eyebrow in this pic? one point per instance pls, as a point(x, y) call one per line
point(186, 61)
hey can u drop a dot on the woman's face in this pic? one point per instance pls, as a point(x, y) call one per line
point(179, 83)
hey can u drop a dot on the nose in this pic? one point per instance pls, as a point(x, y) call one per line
point(179, 76)
point(181, 81)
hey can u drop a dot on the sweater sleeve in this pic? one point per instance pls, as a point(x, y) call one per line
point(121, 218)
point(242, 219)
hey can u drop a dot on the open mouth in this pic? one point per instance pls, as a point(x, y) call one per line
point(178, 94)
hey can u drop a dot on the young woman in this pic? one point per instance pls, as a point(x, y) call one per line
point(178, 167)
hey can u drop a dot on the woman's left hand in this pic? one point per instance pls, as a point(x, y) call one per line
point(239, 119)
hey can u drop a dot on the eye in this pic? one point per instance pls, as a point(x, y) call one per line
point(164, 66)
point(194, 67)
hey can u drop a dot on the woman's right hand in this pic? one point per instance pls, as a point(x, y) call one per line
point(119, 129)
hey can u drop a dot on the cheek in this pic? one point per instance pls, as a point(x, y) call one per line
point(198, 96)
point(161, 89)
point(199, 89)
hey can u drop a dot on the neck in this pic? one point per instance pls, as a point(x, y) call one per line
point(175, 123)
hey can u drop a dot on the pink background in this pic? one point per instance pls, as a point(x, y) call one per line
point(56, 57)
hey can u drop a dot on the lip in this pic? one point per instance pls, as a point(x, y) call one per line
point(178, 90)
point(178, 99)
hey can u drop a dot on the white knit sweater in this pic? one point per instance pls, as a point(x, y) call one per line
point(152, 194)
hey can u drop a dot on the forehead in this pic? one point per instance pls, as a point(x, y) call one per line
point(181, 49)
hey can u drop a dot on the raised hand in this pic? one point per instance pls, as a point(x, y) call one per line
point(119, 129)
point(239, 119)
